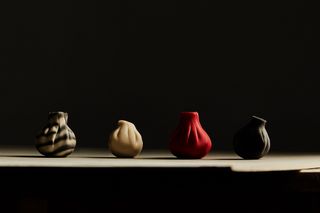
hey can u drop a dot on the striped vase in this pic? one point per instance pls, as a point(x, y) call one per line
point(56, 139)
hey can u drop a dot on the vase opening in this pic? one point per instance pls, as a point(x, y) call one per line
point(258, 120)
point(189, 115)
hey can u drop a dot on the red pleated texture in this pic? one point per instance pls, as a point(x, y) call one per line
point(189, 140)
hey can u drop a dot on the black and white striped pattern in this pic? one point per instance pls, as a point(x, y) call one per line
point(56, 139)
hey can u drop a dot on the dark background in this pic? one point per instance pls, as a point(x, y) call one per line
point(145, 61)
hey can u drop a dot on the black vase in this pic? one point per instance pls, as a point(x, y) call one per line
point(252, 140)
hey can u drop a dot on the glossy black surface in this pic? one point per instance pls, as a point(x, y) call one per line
point(252, 141)
point(145, 190)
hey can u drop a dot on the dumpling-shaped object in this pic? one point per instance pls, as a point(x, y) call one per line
point(252, 141)
point(125, 141)
point(189, 139)
point(56, 139)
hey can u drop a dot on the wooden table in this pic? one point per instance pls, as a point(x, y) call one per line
point(94, 181)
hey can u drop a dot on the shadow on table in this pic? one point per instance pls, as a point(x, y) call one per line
point(23, 156)
point(113, 157)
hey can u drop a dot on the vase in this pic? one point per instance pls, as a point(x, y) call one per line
point(189, 139)
point(125, 141)
point(252, 141)
point(56, 139)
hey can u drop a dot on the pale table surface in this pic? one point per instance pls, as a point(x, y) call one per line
point(99, 158)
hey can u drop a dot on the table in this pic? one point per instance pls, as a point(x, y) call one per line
point(93, 180)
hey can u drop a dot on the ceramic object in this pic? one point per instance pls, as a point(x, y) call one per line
point(252, 140)
point(125, 141)
point(189, 139)
point(56, 139)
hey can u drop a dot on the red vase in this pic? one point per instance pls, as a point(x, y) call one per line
point(189, 140)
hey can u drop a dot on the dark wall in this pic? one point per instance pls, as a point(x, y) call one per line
point(145, 61)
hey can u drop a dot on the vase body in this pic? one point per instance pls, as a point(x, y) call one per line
point(56, 139)
point(125, 141)
point(252, 141)
point(189, 139)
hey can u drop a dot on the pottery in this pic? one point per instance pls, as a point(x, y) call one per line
point(125, 141)
point(56, 139)
point(189, 139)
point(252, 141)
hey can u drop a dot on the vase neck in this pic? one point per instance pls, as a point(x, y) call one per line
point(258, 121)
point(189, 116)
point(58, 117)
